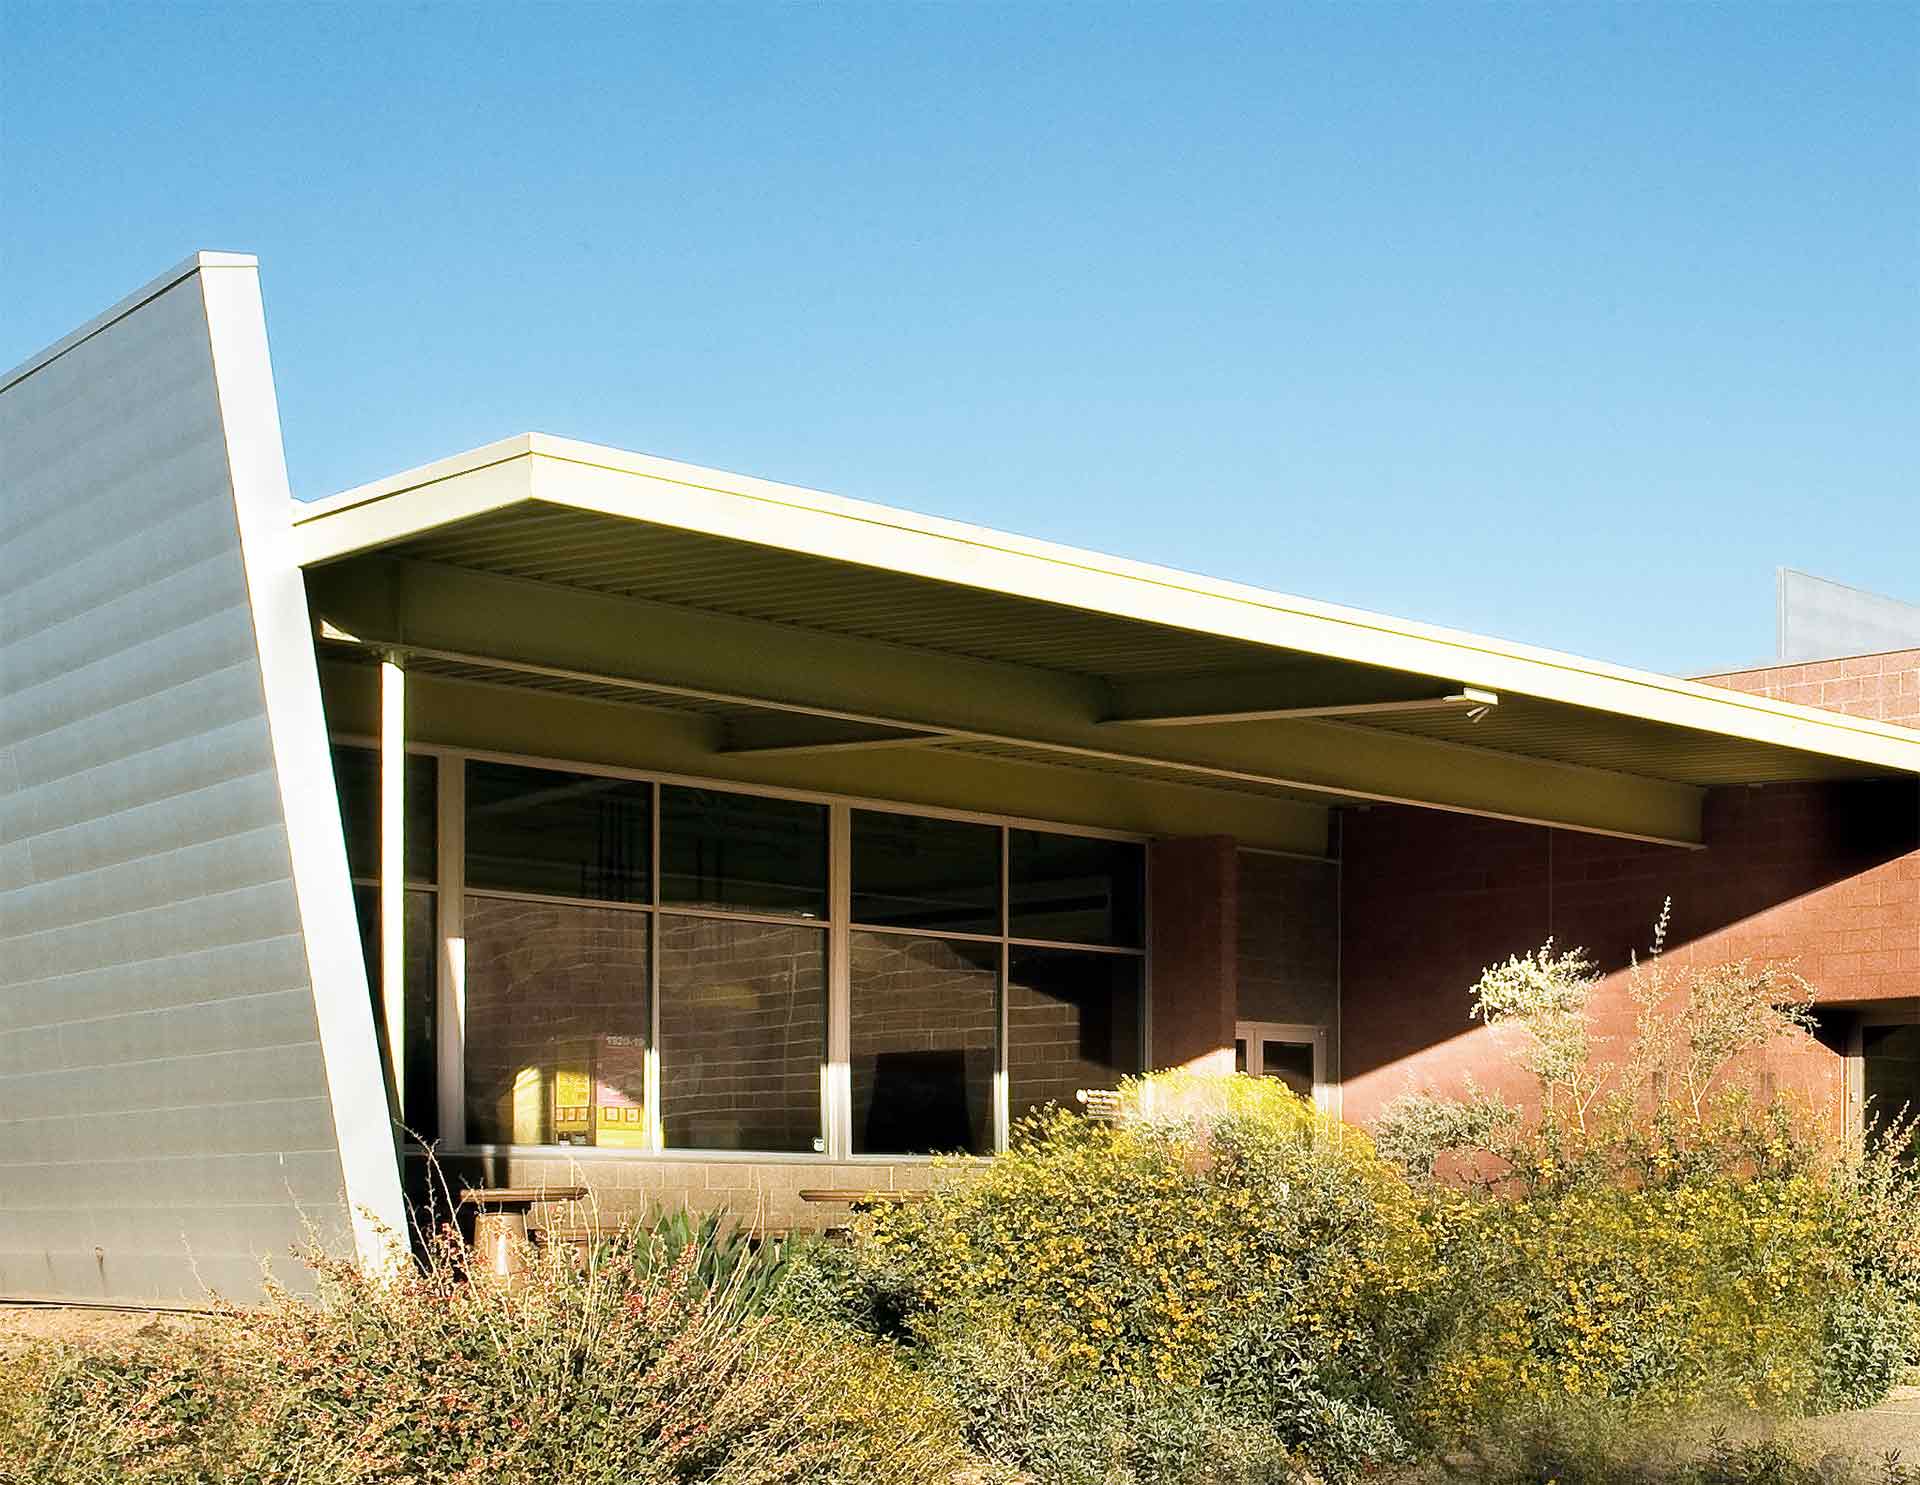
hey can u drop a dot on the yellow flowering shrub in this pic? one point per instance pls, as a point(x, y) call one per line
point(1679, 1296)
point(1222, 1235)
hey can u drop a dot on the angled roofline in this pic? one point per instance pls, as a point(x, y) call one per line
point(152, 289)
point(538, 468)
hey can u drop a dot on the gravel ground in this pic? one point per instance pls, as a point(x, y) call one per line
point(1895, 1424)
point(22, 1326)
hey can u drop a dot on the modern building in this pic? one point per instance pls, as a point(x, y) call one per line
point(601, 818)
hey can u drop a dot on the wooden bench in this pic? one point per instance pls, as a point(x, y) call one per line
point(863, 1198)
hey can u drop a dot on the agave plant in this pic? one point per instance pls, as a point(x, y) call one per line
point(742, 1268)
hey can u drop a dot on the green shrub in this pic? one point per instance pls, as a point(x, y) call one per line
point(1223, 1241)
point(161, 1413)
point(1066, 1428)
point(1699, 1295)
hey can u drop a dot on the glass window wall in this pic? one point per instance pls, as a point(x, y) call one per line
point(1073, 1022)
point(556, 1023)
point(925, 1027)
point(743, 1027)
point(651, 966)
point(1075, 889)
point(356, 774)
point(742, 853)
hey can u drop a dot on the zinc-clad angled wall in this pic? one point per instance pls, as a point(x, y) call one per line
point(166, 1118)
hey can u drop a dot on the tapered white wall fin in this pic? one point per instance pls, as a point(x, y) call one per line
point(250, 418)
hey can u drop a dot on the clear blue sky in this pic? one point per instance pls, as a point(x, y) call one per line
point(1561, 322)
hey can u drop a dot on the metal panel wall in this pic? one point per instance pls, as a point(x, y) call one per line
point(1824, 620)
point(167, 1115)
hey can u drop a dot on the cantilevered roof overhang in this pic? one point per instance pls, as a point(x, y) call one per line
point(808, 623)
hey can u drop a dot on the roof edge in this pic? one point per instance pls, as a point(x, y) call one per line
point(1405, 644)
point(152, 289)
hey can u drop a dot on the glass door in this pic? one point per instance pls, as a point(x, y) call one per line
point(1291, 1054)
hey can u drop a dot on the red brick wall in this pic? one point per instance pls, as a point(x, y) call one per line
point(1826, 872)
point(1885, 687)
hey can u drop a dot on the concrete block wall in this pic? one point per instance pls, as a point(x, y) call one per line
point(1885, 687)
point(764, 1195)
point(1288, 949)
point(1825, 873)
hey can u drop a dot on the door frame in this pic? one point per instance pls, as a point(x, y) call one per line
point(1872, 1017)
point(1292, 1033)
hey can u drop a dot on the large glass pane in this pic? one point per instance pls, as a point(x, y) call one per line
point(925, 1019)
point(420, 946)
point(742, 853)
point(1075, 890)
point(742, 1034)
point(1073, 1021)
point(563, 834)
point(912, 872)
point(356, 776)
point(1892, 1067)
point(556, 1024)
point(1290, 1063)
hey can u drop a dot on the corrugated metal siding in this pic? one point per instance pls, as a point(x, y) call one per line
point(164, 1114)
point(639, 559)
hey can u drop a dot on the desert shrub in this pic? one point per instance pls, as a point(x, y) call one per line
point(1064, 1427)
point(1877, 1222)
point(1417, 1131)
point(1656, 1230)
point(621, 1371)
point(1710, 1293)
point(1683, 1104)
point(1222, 1241)
point(158, 1412)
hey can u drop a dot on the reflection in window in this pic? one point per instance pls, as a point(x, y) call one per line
point(356, 777)
point(562, 834)
point(1073, 1021)
point(1076, 890)
point(556, 1024)
point(420, 1012)
point(912, 872)
point(925, 1021)
point(742, 1034)
point(742, 853)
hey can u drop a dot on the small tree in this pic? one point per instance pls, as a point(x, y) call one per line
point(1684, 1101)
point(1694, 1028)
point(1545, 995)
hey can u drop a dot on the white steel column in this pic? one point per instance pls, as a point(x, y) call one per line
point(451, 1022)
point(1002, 1098)
point(393, 870)
point(837, 1081)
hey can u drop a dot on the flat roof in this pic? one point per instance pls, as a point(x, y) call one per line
point(1181, 662)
